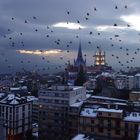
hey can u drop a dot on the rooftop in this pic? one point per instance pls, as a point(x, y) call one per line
point(77, 104)
point(89, 112)
point(110, 110)
point(133, 117)
point(108, 98)
point(14, 99)
point(64, 88)
point(82, 137)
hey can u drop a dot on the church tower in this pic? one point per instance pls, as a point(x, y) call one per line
point(80, 61)
point(100, 58)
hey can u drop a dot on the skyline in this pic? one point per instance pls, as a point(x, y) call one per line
point(34, 34)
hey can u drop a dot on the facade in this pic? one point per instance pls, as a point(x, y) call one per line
point(91, 84)
point(100, 58)
point(134, 96)
point(16, 115)
point(130, 82)
point(3, 131)
point(124, 82)
point(137, 81)
point(35, 111)
point(109, 123)
point(55, 103)
point(110, 118)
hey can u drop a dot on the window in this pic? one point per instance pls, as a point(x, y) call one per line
point(100, 113)
point(117, 124)
point(136, 126)
point(126, 133)
point(92, 121)
point(109, 129)
point(100, 130)
point(109, 114)
point(44, 119)
point(10, 109)
point(29, 106)
point(126, 125)
point(92, 129)
point(16, 109)
point(2, 108)
point(23, 115)
point(117, 132)
point(23, 108)
point(109, 134)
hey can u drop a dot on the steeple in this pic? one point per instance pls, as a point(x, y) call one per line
point(79, 61)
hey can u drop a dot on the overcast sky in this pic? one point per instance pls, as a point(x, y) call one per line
point(44, 34)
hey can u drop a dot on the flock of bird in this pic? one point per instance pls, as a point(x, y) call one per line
point(58, 42)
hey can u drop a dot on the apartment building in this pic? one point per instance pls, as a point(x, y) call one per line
point(108, 123)
point(55, 105)
point(16, 117)
point(124, 82)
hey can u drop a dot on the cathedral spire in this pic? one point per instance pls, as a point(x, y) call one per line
point(80, 52)
point(79, 61)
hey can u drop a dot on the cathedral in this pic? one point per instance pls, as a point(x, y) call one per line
point(99, 66)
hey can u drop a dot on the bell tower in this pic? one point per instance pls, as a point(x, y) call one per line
point(100, 58)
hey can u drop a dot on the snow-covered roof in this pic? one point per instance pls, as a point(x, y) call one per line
point(110, 110)
point(88, 95)
point(106, 74)
point(133, 117)
point(13, 99)
point(108, 98)
point(31, 98)
point(35, 134)
point(135, 92)
point(89, 112)
point(21, 81)
point(138, 74)
point(77, 104)
point(2, 94)
point(18, 88)
point(82, 137)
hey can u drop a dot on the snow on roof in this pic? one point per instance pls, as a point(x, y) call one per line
point(135, 92)
point(12, 96)
point(106, 74)
point(77, 104)
point(88, 95)
point(120, 103)
point(107, 98)
point(2, 94)
point(35, 125)
point(76, 87)
point(133, 116)
point(14, 101)
point(110, 110)
point(21, 81)
point(138, 74)
point(81, 137)
point(78, 137)
point(18, 88)
point(35, 134)
point(89, 112)
point(31, 98)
